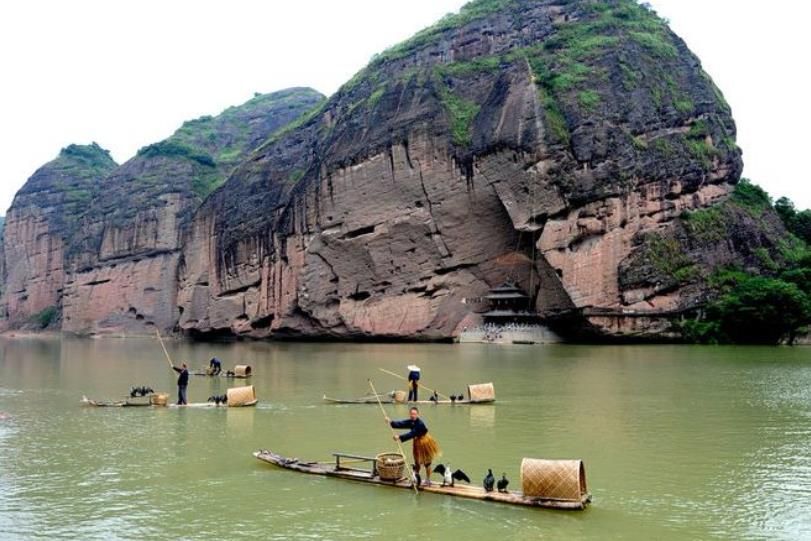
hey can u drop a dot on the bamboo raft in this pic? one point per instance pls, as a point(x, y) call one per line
point(131, 404)
point(370, 476)
point(126, 403)
point(238, 397)
point(484, 393)
point(240, 371)
point(387, 399)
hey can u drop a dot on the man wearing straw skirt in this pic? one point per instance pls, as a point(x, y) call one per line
point(425, 449)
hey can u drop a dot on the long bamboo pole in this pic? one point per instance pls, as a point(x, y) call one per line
point(165, 351)
point(444, 397)
point(396, 438)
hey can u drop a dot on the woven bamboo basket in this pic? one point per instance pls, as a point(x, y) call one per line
point(485, 392)
point(159, 399)
point(390, 466)
point(563, 480)
point(242, 370)
point(241, 396)
point(400, 396)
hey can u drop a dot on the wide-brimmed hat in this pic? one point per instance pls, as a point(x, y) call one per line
point(413, 368)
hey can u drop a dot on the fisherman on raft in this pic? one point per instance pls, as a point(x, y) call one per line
point(425, 449)
point(413, 382)
point(214, 367)
point(182, 384)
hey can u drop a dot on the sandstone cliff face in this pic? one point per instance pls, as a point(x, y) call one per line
point(123, 261)
point(541, 141)
point(38, 225)
point(100, 243)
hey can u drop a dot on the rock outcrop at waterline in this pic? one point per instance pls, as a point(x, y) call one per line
point(541, 141)
point(100, 247)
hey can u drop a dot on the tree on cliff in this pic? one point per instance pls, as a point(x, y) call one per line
point(766, 308)
point(798, 222)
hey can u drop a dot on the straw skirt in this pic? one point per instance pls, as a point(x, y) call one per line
point(426, 449)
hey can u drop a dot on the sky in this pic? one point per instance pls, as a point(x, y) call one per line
point(127, 73)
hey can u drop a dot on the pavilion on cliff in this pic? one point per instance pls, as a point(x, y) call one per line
point(509, 304)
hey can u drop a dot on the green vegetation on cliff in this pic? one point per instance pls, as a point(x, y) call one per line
point(216, 144)
point(766, 306)
point(798, 222)
point(91, 158)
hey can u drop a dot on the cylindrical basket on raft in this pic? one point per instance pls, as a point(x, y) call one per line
point(400, 396)
point(563, 480)
point(159, 399)
point(242, 371)
point(484, 392)
point(241, 396)
point(390, 466)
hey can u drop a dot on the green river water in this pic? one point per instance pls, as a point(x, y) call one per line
point(678, 442)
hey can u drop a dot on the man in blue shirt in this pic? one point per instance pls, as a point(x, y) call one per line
point(214, 367)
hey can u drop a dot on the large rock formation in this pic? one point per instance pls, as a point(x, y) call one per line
point(124, 260)
point(39, 224)
point(537, 140)
point(112, 268)
point(576, 147)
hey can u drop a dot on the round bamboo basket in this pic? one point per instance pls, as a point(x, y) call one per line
point(242, 370)
point(563, 480)
point(400, 396)
point(159, 399)
point(485, 392)
point(390, 466)
point(241, 396)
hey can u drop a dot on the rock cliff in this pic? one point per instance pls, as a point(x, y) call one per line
point(39, 224)
point(112, 267)
point(576, 147)
point(538, 140)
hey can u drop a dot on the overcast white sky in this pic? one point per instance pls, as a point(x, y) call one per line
point(127, 73)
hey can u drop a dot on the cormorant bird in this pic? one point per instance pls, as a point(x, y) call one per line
point(434, 397)
point(448, 478)
point(489, 481)
point(453, 399)
point(503, 483)
point(218, 399)
point(140, 391)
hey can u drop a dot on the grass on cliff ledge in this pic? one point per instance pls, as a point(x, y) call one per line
point(467, 14)
point(461, 113)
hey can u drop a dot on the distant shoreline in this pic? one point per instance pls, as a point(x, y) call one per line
point(58, 335)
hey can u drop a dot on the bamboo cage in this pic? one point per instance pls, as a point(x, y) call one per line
point(390, 466)
point(562, 480)
point(159, 399)
point(484, 392)
point(242, 370)
point(400, 396)
point(241, 396)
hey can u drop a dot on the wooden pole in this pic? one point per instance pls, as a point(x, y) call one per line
point(165, 351)
point(396, 438)
point(418, 383)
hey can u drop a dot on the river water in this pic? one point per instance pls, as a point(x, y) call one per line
point(679, 442)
